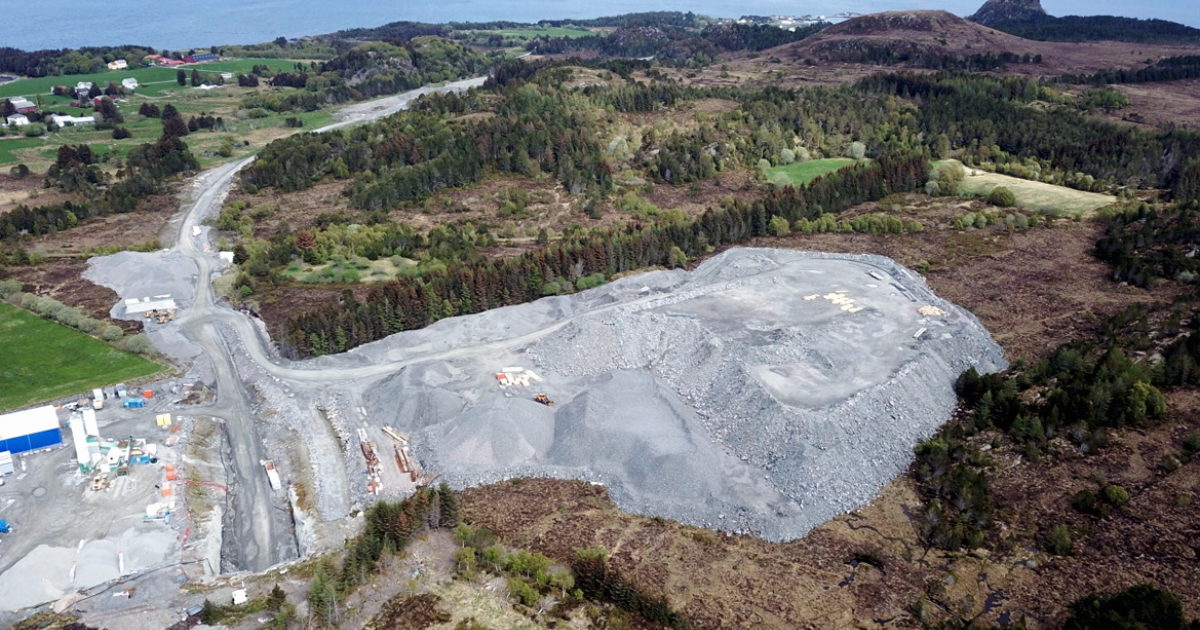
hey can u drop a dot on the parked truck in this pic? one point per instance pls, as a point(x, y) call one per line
point(272, 474)
point(97, 398)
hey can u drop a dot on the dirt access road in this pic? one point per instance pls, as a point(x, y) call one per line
point(259, 535)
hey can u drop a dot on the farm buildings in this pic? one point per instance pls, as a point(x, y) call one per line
point(70, 121)
point(29, 430)
point(23, 105)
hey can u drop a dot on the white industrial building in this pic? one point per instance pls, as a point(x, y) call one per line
point(18, 120)
point(129, 83)
point(29, 430)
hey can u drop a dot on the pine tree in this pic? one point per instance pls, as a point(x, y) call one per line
point(322, 597)
point(451, 517)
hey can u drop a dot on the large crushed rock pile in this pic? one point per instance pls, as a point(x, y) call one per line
point(765, 392)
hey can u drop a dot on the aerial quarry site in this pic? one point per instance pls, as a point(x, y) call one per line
point(761, 393)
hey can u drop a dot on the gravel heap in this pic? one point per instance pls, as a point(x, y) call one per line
point(764, 392)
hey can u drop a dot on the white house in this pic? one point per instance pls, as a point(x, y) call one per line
point(129, 83)
point(18, 120)
point(119, 64)
point(67, 121)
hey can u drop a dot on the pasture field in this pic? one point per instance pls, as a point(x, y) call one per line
point(1048, 199)
point(38, 153)
point(801, 173)
point(10, 146)
point(154, 80)
point(45, 361)
point(527, 33)
point(243, 65)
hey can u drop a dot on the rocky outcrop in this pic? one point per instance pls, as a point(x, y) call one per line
point(996, 11)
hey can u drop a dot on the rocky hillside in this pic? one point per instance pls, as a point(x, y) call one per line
point(910, 34)
point(996, 11)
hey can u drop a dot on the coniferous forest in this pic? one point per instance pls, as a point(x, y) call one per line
point(524, 123)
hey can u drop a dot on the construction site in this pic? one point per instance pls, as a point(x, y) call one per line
point(763, 392)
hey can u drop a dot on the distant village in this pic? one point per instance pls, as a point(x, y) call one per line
point(792, 22)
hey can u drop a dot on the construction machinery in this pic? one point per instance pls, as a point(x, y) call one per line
point(544, 399)
point(100, 482)
point(160, 316)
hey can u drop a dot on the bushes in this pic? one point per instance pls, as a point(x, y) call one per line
point(1002, 197)
point(1058, 541)
point(598, 580)
point(1141, 607)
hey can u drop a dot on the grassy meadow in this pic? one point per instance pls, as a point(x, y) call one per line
point(44, 360)
point(801, 173)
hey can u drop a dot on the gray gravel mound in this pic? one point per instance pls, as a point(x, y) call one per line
point(764, 392)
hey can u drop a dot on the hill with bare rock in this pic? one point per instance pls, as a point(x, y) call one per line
point(939, 40)
point(1027, 19)
point(995, 11)
point(893, 37)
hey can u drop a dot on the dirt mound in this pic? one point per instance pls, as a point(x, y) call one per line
point(764, 392)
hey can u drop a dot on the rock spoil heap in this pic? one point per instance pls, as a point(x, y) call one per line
point(764, 392)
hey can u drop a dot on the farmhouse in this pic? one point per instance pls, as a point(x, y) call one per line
point(29, 430)
point(160, 60)
point(119, 64)
point(129, 83)
point(23, 105)
point(18, 120)
point(71, 121)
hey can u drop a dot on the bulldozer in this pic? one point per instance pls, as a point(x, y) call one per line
point(544, 399)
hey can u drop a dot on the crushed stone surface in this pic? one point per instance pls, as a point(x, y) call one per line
point(764, 392)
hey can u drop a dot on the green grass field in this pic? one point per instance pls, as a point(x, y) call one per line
point(155, 81)
point(801, 173)
point(241, 65)
point(44, 361)
point(1048, 199)
point(11, 144)
point(538, 31)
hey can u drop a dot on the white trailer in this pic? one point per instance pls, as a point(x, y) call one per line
point(272, 474)
point(97, 398)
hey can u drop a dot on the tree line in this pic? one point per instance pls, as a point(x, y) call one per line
point(982, 111)
point(1076, 28)
point(144, 172)
point(1145, 243)
point(1168, 69)
point(368, 70)
point(414, 302)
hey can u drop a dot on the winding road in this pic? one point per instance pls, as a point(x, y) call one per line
point(257, 534)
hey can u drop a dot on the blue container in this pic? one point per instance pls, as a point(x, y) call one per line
point(4, 528)
point(134, 403)
point(139, 459)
